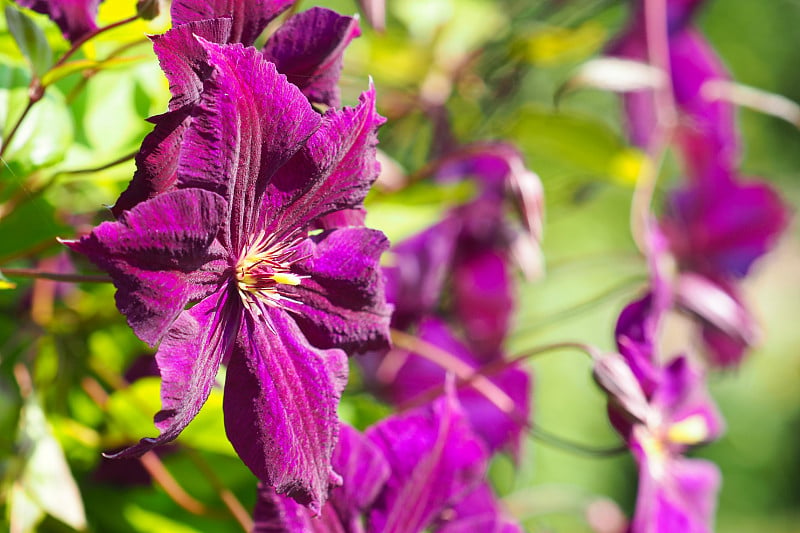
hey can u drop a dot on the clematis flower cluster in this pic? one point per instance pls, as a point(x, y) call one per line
point(717, 225)
point(661, 408)
point(226, 248)
point(423, 470)
point(467, 255)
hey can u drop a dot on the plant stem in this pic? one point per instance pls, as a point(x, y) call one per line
point(55, 276)
point(91, 35)
point(36, 90)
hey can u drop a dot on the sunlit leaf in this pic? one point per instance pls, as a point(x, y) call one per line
point(5, 284)
point(146, 521)
point(81, 65)
point(46, 132)
point(30, 39)
point(46, 481)
point(554, 46)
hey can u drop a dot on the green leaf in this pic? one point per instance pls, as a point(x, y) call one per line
point(131, 411)
point(79, 65)
point(31, 40)
point(575, 144)
point(46, 132)
point(46, 484)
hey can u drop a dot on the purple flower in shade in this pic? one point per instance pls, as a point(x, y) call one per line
point(468, 256)
point(661, 410)
point(257, 171)
point(716, 231)
point(405, 376)
point(75, 18)
point(419, 471)
point(706, 132)
point(308, 48)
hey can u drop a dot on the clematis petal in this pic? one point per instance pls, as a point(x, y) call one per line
point(497, 428)
point(75, 18)
point(280, 402)
point(416, 271)
point(721, 229)
point(184, 60)
point(248, 123)
point(707, 133)
point(341, 304)
point(677, 496)
point(161, 255)
point(477, 511)
point(364, 471)
point(308, 48)
point(682, 396)
point(278, 514)
point(483, 297)
point(248, 17)
point(157, 160)
point(188, 360)
point(334, 170)
point(435, 459)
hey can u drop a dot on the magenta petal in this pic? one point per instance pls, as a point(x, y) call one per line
point(708, 133)
point(334, 171)
point(248, 17)
point(342, 300)
point(308, 48)
point(76, 18)
point(364, 471)
point(479, 511)
point(184, 60)
point(249, 122)
point(157, 161)
point(417, 375)
point(683, 394)
point(280, 405)
point(679, 495)
point(161, 254)
point(188, 359)
point(483, 299)
point(721, 228)
point(435, 459)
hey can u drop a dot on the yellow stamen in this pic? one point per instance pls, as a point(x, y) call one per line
point(690, 430)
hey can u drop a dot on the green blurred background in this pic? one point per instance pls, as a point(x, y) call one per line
point(489, 69)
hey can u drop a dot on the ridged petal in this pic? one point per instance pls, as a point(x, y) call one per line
point(280, 402)
point(342, 302)
point(248, 17)
point(309, 47)
point(161, 255)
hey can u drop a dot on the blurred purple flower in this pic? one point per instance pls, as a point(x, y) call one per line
point(257, 169)
point(706, 131)
point(468, 257)
point(716, 231)
point(661, 409)
point(76, 18)
point(419, 471)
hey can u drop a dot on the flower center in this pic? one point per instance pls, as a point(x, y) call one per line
point(263, 272)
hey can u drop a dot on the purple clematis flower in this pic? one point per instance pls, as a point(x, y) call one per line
point(706, 132)
point(661, 410)
point(414, 472)
point(308, 48)
point(225, 265)
point(467, 255)
point(76, 18)
point(405, 376)
point(716, 231)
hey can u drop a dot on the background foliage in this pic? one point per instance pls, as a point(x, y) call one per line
point(489, 68)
